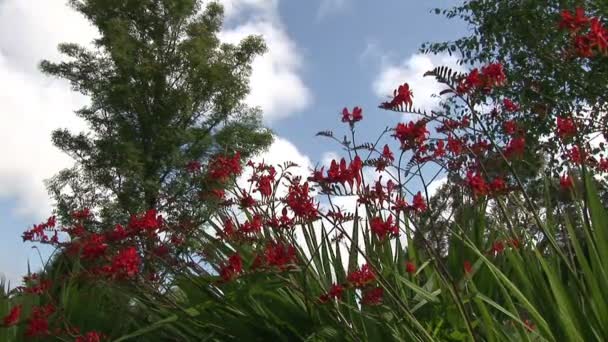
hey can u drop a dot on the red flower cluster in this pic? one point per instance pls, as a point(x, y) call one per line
point(515, 148)
point(361, 277)
point(510, 127)
point(335, 292)
point(596, 39)
point(38, 324)
point(386, 158)
point(280, 255)
point(13, 316)
point(351, 118)
point(282, 222)
point(480, 187)
point(93, 247)
point(221, 168)
point(509, 105)
point(301, 203)
point(410, 267)
point(193, 166)
point(148, 223)
point(418, 203)
point(382, 228)
point(232, 268)
point(450, 125)
point(341, 174)
point(490, 76)
point(126, 263)
point(575, 155)
point(373, 296)
point(565, 127)
point(566, 182)
point(477, 183)
point(91, 336)
point(251, 227)
point(401, 96)
point(412, 135)
point(38, 232)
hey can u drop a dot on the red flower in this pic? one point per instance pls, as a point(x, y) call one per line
point(126, 262)
point(193, 166)
point(232, 268)
point(335, 292)
point(477, 183)
point(603, 165)
point(356, 115)
point(361, 277)
point(439, 149)
point(498, 247)
point(13, 316)
point(565, 128)
point(94, 247)
point(454, 145)
point(246, 200)
point(510, 127)
point(468, 268)
point(91, 336)
point(498, 185)
point(598, 35)
point(117, 234)
point(582, 45)
point(387, 153)
point(472, 81)
point(410, 267)
point(221, 167)
point(299, 201)
point(494, 75)
point(280, 255)
point(253, 226)
point(38, 324)
point(373, 296)
point(575, 155)
point(81, 215)
point(412, 135)
point(229, 228)
point(573, 22)
point(383, 228)
point(219, 194)
point(418, 203)
point(516, 147)
point(509, 105)
point(149, 222)
point(566, 182)
point(402, 95)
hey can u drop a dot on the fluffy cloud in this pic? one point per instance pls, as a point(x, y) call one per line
point(276, 85)
point(411, 70)
point(32, 105)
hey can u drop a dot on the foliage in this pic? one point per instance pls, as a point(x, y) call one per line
point(164, 91)
point(280, 259)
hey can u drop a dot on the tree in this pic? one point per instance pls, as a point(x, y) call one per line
point(547, 60)
point(164, 91)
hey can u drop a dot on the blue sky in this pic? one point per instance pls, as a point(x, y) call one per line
point(323, 55)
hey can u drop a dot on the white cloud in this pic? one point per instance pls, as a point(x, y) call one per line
point(411, 70)
point(435, 185)
point(330, 6)
point(32, 105)
point(276, 84)
point(30, 30)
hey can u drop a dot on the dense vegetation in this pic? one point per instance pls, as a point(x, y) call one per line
point(513, 247)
